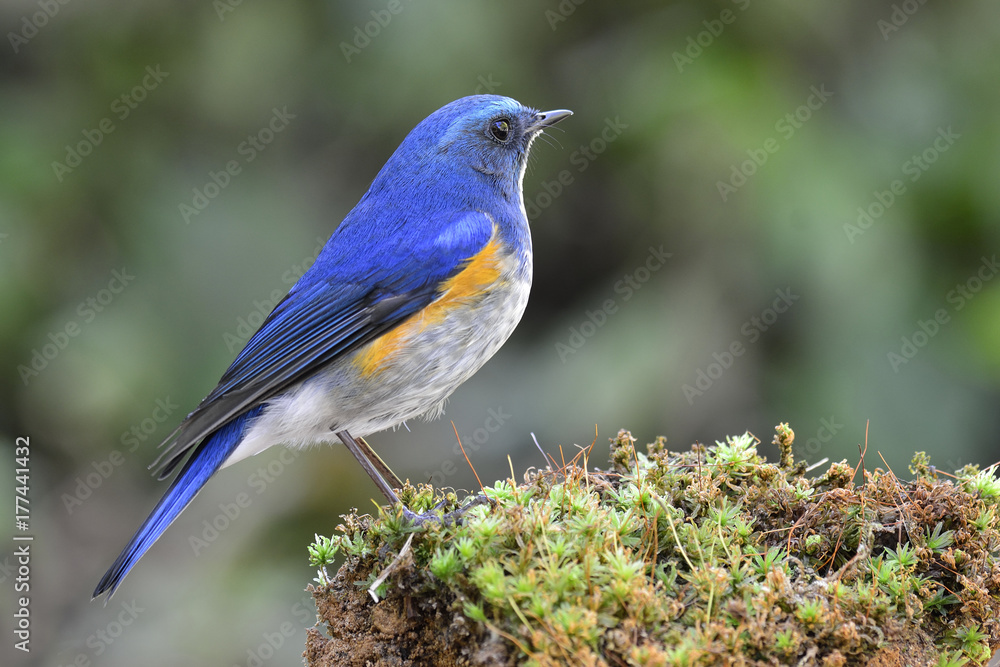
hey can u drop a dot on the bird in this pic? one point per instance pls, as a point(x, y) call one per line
point(418, 286)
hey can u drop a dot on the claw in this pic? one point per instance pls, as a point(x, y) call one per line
point(451, 517)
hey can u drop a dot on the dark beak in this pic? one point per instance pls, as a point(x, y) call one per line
point(544, 119)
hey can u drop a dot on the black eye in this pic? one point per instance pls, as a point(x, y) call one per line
point(499, 129)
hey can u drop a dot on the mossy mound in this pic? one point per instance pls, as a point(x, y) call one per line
point(706, 557)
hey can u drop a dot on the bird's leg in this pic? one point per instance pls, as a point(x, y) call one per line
point(377, 461)
point(361, 454)
point(377, 469)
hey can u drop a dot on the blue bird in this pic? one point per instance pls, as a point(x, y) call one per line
point(417, 288)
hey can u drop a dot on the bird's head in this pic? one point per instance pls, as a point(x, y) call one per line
point(492, 134)
point(488, 135)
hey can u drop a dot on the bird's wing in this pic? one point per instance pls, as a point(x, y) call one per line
point(358, 289)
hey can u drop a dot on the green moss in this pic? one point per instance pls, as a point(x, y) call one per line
point(707, 556)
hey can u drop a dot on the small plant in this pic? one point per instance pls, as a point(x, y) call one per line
point(904, 558)
point(950, 659)
point(769, 560)
point(323, 551)
point(445, 564)
point(940, 601)
point(971, 642)
point(785, 642)
point(733, 455)
point(938, 541)
point(810, 613)
point(984, 483)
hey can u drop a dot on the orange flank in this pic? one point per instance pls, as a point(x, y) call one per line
point(480, 272)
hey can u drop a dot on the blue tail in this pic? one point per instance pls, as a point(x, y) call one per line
point(207, 458)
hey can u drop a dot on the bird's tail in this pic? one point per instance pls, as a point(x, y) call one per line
point(204, 462)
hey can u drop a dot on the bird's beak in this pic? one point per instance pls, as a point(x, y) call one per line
point(544, 119)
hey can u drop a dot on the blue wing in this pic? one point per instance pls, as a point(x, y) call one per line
point(364, 283)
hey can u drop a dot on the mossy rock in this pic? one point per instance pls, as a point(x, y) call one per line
point(710, 556)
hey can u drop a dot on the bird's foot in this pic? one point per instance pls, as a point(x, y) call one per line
point(451, 517)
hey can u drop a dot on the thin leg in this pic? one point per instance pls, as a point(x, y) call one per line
point(359, 453)
point(377, 461)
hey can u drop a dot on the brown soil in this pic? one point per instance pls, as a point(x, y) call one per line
point(402, 630)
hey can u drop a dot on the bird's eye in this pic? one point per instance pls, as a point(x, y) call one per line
point(499, 129)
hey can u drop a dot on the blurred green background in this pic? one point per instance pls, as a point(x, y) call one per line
point(824, 177)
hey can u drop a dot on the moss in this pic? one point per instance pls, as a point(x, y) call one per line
point(702, 557)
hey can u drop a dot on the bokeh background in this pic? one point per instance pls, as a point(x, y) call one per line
point(747, 140)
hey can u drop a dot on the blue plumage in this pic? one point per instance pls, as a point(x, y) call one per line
point(416, 289)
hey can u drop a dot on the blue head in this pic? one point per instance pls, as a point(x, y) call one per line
point(468, 152)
